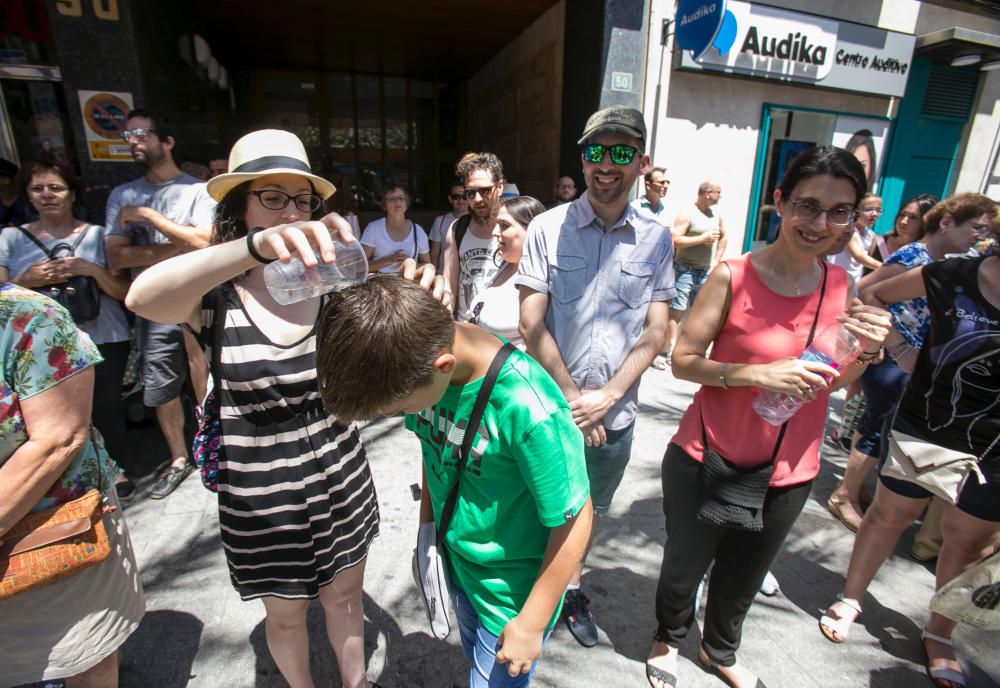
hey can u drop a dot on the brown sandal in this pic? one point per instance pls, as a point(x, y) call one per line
point(835, 505)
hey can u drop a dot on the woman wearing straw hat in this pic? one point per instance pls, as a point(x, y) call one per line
point(297, 505)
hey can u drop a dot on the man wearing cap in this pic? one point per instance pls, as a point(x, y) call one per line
point(160, 214)
point(595, 278)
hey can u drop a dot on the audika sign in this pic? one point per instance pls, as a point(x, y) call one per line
point(767, 42)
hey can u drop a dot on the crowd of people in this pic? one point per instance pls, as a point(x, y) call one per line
point(538, 320)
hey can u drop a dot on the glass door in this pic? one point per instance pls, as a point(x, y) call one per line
point(35, 123)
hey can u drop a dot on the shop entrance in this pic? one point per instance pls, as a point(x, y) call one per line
point(34, 124)
point(788, 131)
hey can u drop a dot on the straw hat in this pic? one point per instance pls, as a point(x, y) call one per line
point(264, 152)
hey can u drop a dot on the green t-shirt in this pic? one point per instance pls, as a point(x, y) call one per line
point(526, 474)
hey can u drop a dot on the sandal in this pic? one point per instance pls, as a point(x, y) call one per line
point(835, 505)
point(713, 667)
point(941, 673)
point(840, 626)
point(657, 677)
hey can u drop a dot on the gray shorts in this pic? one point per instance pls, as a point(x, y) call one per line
point(606, 466)
point(164, 361)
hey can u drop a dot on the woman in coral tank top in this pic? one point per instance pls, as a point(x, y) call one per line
point(755, 313)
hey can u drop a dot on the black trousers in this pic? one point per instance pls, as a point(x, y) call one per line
point(106, 413)
point(741, 559)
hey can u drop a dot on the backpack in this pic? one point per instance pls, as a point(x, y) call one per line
point(79, 295)
point(461, 227)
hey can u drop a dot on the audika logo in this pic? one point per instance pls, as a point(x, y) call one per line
point(726, 36)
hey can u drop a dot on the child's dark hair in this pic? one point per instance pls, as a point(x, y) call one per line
point(825, 160)
point(377, 343)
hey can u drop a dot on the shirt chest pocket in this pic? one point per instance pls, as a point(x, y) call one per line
point(568, 277)
point(635, 287)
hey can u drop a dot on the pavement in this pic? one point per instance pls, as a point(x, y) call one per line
point(198, 633)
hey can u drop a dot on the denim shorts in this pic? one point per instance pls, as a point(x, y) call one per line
point(687, 282)
point(980, 501)
point(480, 648)
point(883, 385)
point(606, 466)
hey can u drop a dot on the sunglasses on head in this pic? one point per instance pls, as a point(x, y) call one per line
point(621, 153)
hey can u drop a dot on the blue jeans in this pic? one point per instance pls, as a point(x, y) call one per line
point(688, 282)
point(480, 647)
point(606, 466)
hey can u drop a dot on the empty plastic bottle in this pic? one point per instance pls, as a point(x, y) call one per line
point(835, 346)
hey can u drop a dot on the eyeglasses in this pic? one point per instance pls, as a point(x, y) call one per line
point(456, 197)
point(809, 211)
point(621, 154)
point(395, 198)
point(665, 182)
point(51, 188)
point(871, 211)
point(980, 229)
point(140, 134)
point(273, 199)
point(484, 191)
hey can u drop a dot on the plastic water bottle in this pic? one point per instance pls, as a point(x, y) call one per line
point(835, 347)
point(292, 282)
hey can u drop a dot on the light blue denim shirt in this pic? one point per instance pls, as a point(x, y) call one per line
point(600, 284)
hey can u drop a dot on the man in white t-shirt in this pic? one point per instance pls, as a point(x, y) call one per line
point(469, 245)
point(152, 218)
point(459, 207)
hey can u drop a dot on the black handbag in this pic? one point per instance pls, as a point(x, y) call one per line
point(80, 294)
point(733, 496)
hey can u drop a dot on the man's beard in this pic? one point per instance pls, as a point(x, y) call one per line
point(482, 214)
point(148, 158)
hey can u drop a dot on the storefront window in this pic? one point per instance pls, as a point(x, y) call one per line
point(787, 132)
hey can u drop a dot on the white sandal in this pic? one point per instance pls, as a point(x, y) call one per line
point(829, 625)
point(941, 673)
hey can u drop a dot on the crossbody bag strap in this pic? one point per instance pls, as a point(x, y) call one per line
point(218, 323)
point(416, 249)
point(36, 241)
point(470, 434)
point(812, 333)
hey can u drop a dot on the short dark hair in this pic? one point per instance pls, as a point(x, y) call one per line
point(649, 175)
point(27, 173)
point(161, 125)
point(377, 343)
point(962, 208)
point(824, 160)
point(924, 202)
point(470, 162)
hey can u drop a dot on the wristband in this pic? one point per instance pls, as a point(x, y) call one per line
point(867, 357)
point(252, 251)
point(722, 375)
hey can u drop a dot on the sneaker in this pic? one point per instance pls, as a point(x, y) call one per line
point(576, 614)
point(170, 480)
point(770, 587)
point(125, 490)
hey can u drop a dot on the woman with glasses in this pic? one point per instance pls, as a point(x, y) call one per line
point(883, 383)
point(497, 308)
point(855, 257)
point(755, 315)
point(297, 504)
point(24, 260)
point(390, 240)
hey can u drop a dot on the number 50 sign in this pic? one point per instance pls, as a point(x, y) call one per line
point(103, 9)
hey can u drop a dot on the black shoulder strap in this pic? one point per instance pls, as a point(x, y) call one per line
point(470, 435)
point(416, 250)
point(37, 243)
point(218, 324)
point(461, 227)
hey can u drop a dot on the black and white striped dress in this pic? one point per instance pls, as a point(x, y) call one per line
point(296, 499)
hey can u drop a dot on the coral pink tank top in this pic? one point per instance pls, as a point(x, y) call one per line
point(763, 326)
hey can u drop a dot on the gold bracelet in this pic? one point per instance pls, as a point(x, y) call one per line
point(722, 375)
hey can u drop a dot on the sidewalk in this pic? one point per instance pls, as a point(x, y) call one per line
point(198, 633)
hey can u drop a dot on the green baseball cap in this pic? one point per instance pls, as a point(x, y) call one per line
point(615, 118)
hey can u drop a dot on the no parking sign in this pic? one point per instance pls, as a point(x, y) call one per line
point(104, 114)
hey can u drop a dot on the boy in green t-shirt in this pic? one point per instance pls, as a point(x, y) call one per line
point(523, 516)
